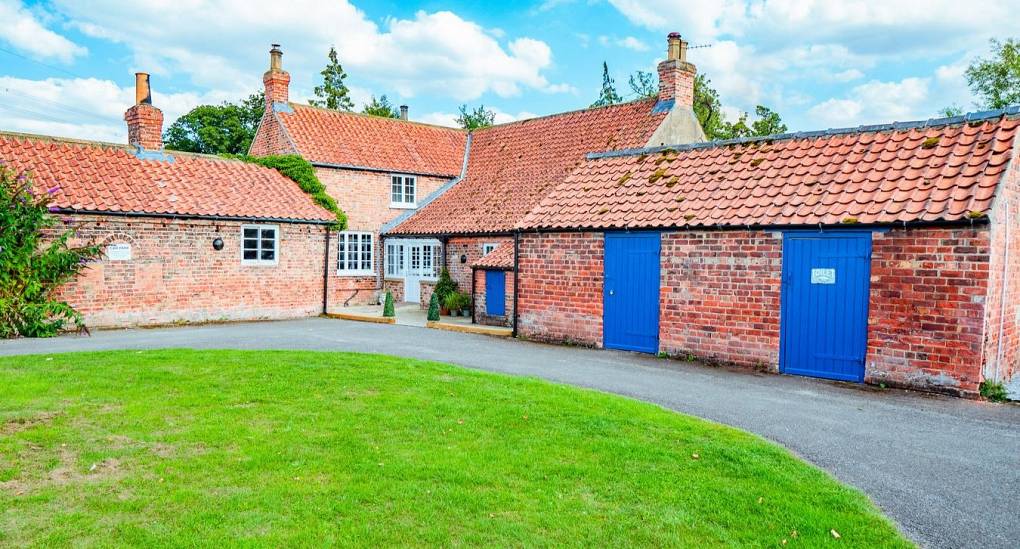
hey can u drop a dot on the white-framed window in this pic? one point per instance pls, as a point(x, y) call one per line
point(403, 191)
point(488, 248)
point(418, 258)
point(355, 253)
point(260, 244)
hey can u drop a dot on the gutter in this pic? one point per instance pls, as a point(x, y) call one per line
point(353, 167)
point(768, 227)
point(70, 211)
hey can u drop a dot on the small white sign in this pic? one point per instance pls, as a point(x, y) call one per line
point(118, 252)
point(823, 276)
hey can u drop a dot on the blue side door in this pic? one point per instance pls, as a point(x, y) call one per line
point(824, 325)
point(495, 293)
point(631, 293)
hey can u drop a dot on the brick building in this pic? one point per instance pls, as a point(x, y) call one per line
point(185, 237)
point(885, 254)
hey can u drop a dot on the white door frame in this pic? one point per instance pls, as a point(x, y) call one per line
point(420, 263)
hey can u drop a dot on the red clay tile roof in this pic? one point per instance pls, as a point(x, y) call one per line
point(99, 177)
point(500, 258)
point(941, 172)
point(511, 167)
point(350, 139)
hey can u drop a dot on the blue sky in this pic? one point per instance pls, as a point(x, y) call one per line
point(66, 66)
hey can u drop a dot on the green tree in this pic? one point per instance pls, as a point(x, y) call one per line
point(36, 258)
point(380, 107)
point(644, 84)
point(708, 109)
point(227, 128)
point(608, 95)
point(996, 80)
point(333, 93)
point(952, 110)
point(478, 118)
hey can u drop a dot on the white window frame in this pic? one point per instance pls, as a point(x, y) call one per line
point(400, 201)
point(344, 240)
point(259, 249)
point(488, 248)
point(403, 253)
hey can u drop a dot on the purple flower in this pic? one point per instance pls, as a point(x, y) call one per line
point(53, 190)
point(54, 209)
point(67, 220)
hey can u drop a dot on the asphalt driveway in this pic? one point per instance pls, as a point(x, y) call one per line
point(947, 470)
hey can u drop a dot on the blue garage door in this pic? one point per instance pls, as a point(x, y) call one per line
point(824, 329)
point(495, 293)
point(631, 292)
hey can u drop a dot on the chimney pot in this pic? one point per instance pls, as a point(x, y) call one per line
point(677, 48)
point(276, 58)
point(403, 112)
point(143, 94)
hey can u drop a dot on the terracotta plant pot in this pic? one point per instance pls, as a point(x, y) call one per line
point(444, 311)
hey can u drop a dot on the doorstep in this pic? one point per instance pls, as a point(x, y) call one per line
point(470, 328)
point(363, 318)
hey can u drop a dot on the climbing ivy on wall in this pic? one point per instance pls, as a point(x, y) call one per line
point(303, 173)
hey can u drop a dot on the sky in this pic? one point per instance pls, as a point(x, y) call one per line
point(67, 66)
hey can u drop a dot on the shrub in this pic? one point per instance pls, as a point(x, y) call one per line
point(433, 307)
point(457, 301)
point(994, 391)
point(444, 286)
point(35, 260)
point(388, 310)
point(301, 171)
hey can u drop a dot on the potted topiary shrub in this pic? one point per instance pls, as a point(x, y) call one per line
point(444, 287)
point(388, 309)
point(433, 315)
point(459, 303)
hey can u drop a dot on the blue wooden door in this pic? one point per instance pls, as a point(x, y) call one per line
point(631, 292)
point(495, 293)
point(824, 326)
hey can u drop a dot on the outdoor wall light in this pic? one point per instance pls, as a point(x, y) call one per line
point(217, 244)
point(463, 258)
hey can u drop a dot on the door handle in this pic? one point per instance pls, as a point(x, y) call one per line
point(611, 292)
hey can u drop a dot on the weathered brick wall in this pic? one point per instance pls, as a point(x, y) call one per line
point(719, 296)
point(1002, 315)
point(481, 317)
point(365, 196)
point(270, 138)
point(175, 274)
point(561, 279)
point(926, 312)
point(471, 249)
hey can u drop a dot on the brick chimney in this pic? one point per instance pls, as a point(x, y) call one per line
point(676, 75)
point(403, 112)
point(276, 79)
point(144, 122)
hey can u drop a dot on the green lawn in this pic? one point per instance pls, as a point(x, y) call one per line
point(299, 448)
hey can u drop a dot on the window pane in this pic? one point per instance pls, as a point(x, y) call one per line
point(268, 244)
point(400, 259)
point(251, 244)
point(268, 233)
point(396, 189)
point(251, 254)
point(268, 255)
point(251, 233)
point(409, 190)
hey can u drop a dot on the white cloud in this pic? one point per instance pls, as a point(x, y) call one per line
point(876, 102)
point(84, 108)
point(848, 75)
point(22, 29)
point(628, 42)
point(222, 44)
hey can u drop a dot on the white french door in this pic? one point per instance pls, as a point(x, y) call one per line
point(414, 261)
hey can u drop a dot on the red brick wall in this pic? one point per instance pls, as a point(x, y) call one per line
point(926, 313)
point(479, 300)
point(720, 295)
point(1002, 335)
point(271, 138)
point(176, 275)
point(471, 247)
point(561, 277)
point(721, 291)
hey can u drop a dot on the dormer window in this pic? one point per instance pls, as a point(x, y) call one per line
point(403, 191)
